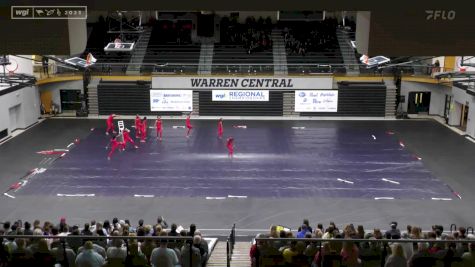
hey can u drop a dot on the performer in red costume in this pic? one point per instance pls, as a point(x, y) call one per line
point(138, 126)
point(143, 132)
point(110, 124)
point(188, 125)
point(158, 126)
point(230, 146)
point(127, 138)
point(220, 128)
point(114, 144)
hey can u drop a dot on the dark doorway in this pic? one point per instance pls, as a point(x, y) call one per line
point(448, 100)
point(70, 99)
point(418, 102)
point(464, 118)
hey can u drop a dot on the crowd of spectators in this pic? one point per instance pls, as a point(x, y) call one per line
point(314, 36)
point(351, 253)
point(254, 35)
point(51, 251)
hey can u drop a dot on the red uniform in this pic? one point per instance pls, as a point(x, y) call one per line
point(138, 127)
point(230, 146)
point(220, 129)
point(114, 144)
point(127, 138)
point(188, 126)
point(143, 131)
point(158, 125)
point(110, 124)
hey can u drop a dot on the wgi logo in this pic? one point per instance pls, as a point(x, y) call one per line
point(440, 14)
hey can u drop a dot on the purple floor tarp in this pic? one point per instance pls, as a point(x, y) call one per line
point(270, 162)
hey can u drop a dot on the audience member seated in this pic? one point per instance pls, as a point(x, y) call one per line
point(254, 36)
point(163, 256)
point(397, 257)
point(89, 258)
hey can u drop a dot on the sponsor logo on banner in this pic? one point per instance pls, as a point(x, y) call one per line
point(171, 100)
point(240, 95)
point(316, 101)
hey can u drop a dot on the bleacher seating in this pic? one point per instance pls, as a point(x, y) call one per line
point(164, 51)
point(171, 54)
point(312, 43)
point(227, 58)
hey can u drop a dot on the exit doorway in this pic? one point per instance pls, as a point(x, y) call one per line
point(418, 102)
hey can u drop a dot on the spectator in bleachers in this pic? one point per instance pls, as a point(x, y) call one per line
point(93, 226)
point(86, 231)
point(202, 245)
point(116, 252)
point(135, 258)
point(163, 256)
point(21, 256)
point(397, 257)
point(106, 226)
point(349, 254)
point(27, 230)
point(161, 221)
point(329, 232)
point(360, 233)
point(147, 246)
point(6, 228)
point(393, 231)
point(98, 249)
point(469, 257)
point(173, 231)
point(89, 257)
point(196, 255)
point(421, 257)
point(303, 231)
point(349, 231)
point(42, 256)
point(273, 232)
point(33, 246)
point(192, 230)
point(318, 259)
point(75, 243)
point(58, 254)
point(290, 252)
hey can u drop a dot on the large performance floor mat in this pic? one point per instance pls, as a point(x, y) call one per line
point(272, 160)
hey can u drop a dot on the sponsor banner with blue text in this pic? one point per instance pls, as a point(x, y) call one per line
point(240, 95)
point(316, 101)
point(171, 100)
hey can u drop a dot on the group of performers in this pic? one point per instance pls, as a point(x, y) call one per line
point(120, 141)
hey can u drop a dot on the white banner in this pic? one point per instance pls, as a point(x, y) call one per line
point(240, 95)
point(254, 82)
point(171, 100)
point(316, 101)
